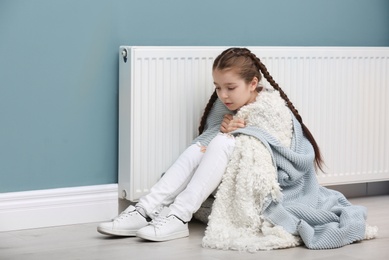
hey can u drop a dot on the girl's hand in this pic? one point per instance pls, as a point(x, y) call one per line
point(230, 124)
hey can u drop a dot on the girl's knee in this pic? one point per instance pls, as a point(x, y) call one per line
point(223, 141)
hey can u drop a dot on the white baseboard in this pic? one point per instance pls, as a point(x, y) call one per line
point(57, 207)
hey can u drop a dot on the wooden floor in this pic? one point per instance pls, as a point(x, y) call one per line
point(83, 242)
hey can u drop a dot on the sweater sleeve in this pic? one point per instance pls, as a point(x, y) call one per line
point(212, 125)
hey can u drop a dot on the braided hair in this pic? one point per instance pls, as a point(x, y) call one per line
point(250, 66)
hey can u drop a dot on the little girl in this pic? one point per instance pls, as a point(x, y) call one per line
point(253, 147)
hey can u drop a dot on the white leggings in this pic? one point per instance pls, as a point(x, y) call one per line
point(190, 180)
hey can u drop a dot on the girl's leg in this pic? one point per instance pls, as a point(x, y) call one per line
point(172, 182)
point(206, 178)
point(131, 220)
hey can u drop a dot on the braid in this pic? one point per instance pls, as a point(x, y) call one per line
point(207, 110)
point(307, 133)
point(274, 84)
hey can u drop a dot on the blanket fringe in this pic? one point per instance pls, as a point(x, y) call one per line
point(269, 238)
point(371, 232)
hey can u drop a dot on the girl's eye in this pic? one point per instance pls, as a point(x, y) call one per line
point(231, 88)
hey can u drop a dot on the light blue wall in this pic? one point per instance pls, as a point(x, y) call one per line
point(59, 68)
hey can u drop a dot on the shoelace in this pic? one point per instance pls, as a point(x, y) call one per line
point(159, 221)
point(122, 215)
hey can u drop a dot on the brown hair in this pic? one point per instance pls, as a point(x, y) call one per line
point(250, 66)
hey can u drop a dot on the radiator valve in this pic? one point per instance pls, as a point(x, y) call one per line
point(124, 194)
point(124, 54)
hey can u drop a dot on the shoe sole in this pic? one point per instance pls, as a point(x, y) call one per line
point(177, 235)
point(122, 233)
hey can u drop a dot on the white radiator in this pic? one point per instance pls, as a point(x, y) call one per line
point(342, 94)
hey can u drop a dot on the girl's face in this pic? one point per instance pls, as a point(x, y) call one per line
point(232, 90)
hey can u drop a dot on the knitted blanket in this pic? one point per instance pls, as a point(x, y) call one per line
point(269, 197)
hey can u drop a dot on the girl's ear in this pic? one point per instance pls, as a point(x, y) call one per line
point(254, 84)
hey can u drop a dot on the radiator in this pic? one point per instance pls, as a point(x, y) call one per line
point(342, 94)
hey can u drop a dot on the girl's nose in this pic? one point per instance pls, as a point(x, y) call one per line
point(224, 94)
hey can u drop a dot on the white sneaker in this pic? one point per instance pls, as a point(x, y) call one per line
point(126, 224)
point(164, 228)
